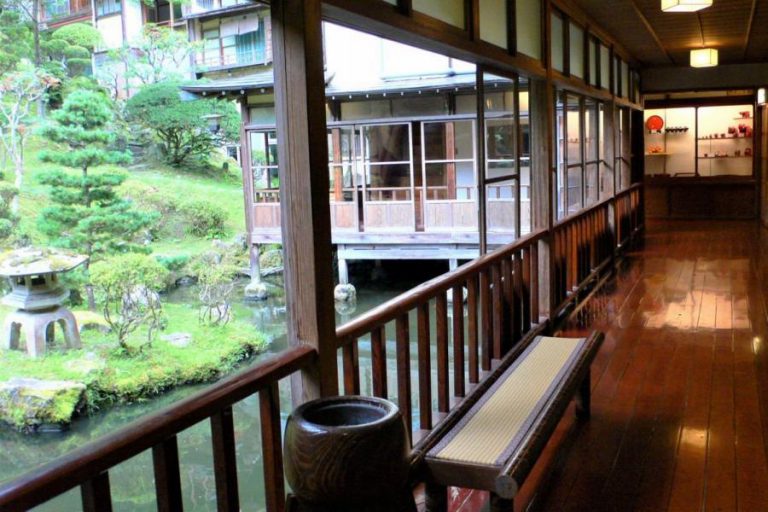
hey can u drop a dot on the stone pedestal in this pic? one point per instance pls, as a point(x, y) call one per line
point(38, 328)
point(37, 295)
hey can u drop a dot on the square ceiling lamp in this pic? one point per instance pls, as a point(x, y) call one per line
point(685, 5)
point(704, 58)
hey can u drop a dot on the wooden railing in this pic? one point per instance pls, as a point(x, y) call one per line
point(582, 245)
point(502, 294)
point(89, 465)
point(629, 213)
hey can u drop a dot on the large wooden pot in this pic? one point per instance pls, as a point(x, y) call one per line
point(348, 453)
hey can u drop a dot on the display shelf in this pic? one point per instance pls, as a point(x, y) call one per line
point(721, 157)
point(743, 118)
point(658, 154)
point(725, 138)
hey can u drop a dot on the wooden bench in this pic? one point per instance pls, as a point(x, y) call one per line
point(494, 445)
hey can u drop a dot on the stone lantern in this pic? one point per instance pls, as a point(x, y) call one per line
point(37, 295)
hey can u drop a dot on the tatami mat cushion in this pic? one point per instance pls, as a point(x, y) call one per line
point(495, 426)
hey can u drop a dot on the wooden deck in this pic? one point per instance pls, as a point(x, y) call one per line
point(680, 387)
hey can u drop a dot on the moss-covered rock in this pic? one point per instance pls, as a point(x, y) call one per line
point(272, 258)
point(32, 403)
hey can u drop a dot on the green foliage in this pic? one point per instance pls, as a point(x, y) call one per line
point(204, 219)
point(16, 40)
point(158, 54)
point(68, 49)
point(8, 220)
point(216, 272)
point(181, 127)
point(87, 215)
point(127, 287)
point(174, 262)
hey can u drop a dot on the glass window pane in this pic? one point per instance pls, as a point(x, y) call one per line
point(624, 80)
point(594, 56)
point(574, 189)
point(605, 67)
point(448, 140)
point(388, 182)
point(592, 192)
point(387, 143)
point(449, 11)
point(558, 34)
point(501, 208)
point(574, 130)
point(576, 34)
point(528, 24)
point(591, 121)
point(493, 22)
point(560, 144)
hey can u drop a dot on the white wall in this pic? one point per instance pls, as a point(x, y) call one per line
point(358, 60)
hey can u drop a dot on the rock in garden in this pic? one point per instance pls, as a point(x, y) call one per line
point(177, 339)
point(29, 404)
point(344, 293)
point(142, 296)
point(241, 240)
point(85, 365)
point(256, 291)
point(186, 281)
point(271, 259)
point(90, 321)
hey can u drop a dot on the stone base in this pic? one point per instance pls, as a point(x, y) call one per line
point(256, 290)
point(344, 293)
point(38, 327)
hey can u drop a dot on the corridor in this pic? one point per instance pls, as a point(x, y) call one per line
point(679, 387)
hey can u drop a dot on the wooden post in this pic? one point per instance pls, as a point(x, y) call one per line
point(303, 155)
point(482, 221)
point(540, 115)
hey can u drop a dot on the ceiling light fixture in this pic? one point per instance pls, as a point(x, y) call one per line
point(704, 58)
point(685, 5)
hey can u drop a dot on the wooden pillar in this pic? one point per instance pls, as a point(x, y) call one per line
point(541, 105)
point(450, 154)
point(245, 165)
point(482, 221)
point(306, 227)
point(343, 271)
point(338, 170)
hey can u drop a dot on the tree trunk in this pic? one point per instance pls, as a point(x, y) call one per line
point(18, 182)
point(38, 54)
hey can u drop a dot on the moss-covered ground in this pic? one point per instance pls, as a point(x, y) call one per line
point(111, 376)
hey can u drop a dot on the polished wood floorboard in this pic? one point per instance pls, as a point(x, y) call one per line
point(680, 386)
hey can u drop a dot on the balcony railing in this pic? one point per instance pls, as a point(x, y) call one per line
point(240, 58)
point(202, 6)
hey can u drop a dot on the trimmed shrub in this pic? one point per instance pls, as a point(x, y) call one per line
point(204, 219)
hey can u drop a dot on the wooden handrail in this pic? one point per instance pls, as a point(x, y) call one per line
point(390, 310)
point(87, 462)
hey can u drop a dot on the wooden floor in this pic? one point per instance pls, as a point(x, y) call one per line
point(680, 387)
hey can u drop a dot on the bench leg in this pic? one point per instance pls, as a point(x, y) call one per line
point(436, 497)
point(501, 504)
point(584, 397)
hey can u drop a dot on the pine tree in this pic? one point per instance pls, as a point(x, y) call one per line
point(87, 214)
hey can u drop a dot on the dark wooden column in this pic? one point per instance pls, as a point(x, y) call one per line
point(540, 106)
point(303, 156)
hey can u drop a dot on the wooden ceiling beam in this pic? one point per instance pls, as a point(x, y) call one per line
point(750, 26)
point(651, 30)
